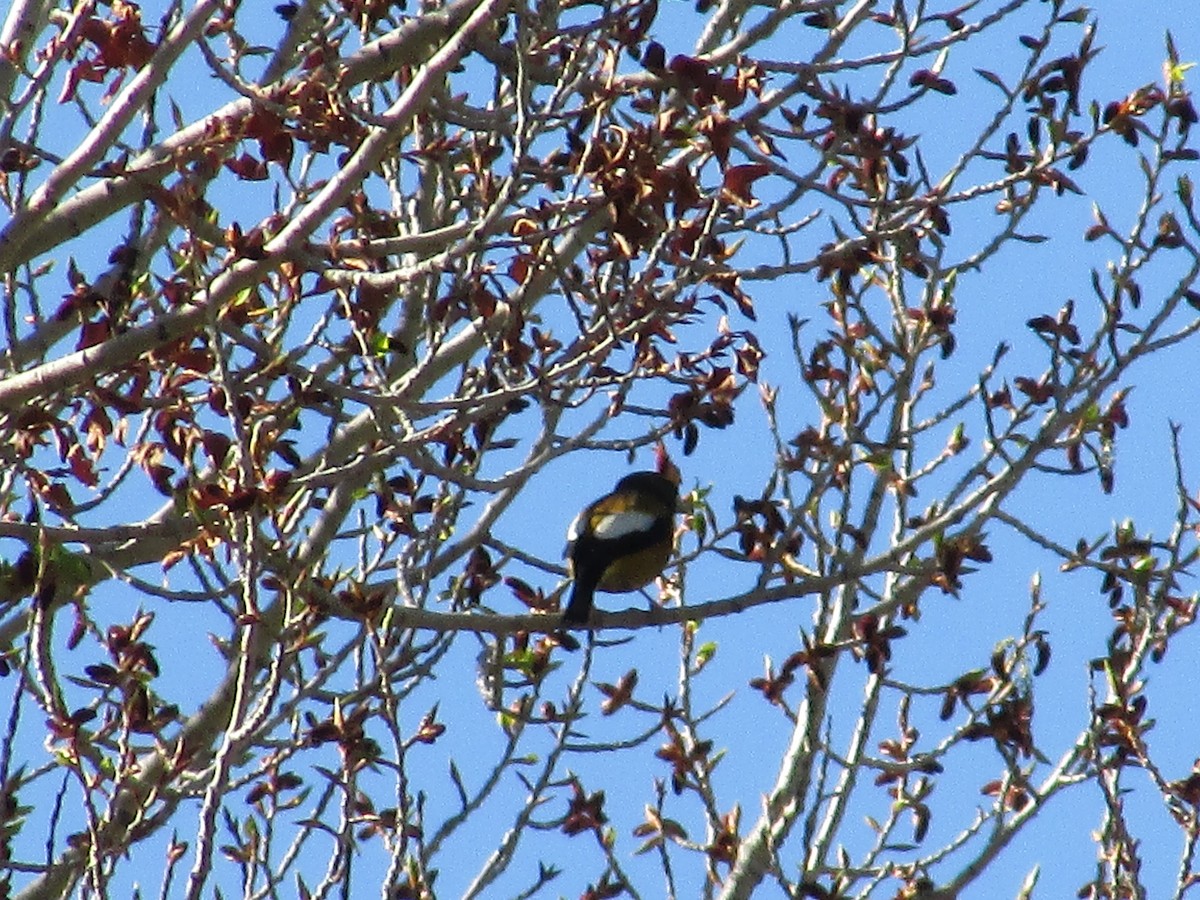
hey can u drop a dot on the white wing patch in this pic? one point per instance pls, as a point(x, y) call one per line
point(617, 525)
point(574, 528)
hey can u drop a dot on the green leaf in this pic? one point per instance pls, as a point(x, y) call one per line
point(1183, 188)
point(1078, 16)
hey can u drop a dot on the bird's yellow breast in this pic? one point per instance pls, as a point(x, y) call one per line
point(628, 573)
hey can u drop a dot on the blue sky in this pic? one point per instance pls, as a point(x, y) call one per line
point(953, 634)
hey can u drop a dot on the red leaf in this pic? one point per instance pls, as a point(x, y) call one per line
point(925, 78)
point(247, 168)
point(81, 467)
point(519, 270)
point(93, 333)
point(739, 180)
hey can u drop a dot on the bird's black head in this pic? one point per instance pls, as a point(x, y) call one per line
point(658, 486)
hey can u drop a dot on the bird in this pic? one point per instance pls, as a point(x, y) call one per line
point(622, 541)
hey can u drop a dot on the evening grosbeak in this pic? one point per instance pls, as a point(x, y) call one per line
point(622, 541)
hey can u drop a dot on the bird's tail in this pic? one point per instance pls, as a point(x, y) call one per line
point(579, 607)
